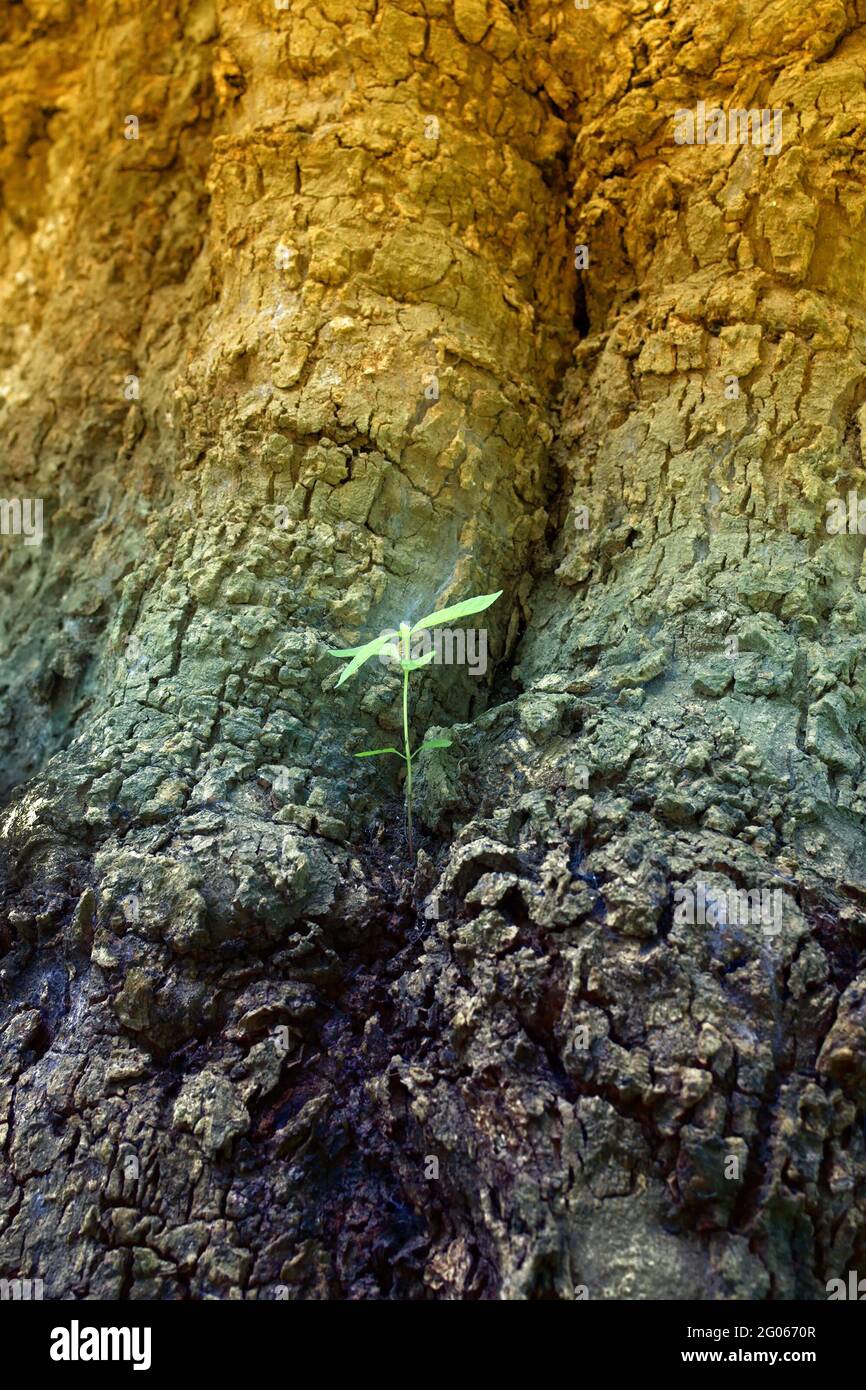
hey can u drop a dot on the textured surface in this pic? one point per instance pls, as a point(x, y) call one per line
point(309, 356)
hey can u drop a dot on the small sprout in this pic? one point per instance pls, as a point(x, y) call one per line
point(360, 655)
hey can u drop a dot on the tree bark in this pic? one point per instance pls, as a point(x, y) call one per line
point(309, 356)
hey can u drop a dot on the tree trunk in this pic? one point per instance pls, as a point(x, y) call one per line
point(298, 350)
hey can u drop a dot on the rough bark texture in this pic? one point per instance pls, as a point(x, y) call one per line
point(236, 1025)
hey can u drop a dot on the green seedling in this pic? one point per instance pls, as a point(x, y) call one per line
point(360, 655)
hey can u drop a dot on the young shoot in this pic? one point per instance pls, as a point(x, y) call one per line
point(362, 654)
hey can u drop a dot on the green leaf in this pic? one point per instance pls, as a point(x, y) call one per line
point(374, 753)
point(457, 610)
point(419, 661)
point(359, 655)
point(433, 743)
point(367, 647)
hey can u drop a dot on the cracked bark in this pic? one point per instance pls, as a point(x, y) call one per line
point(236, 1029)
